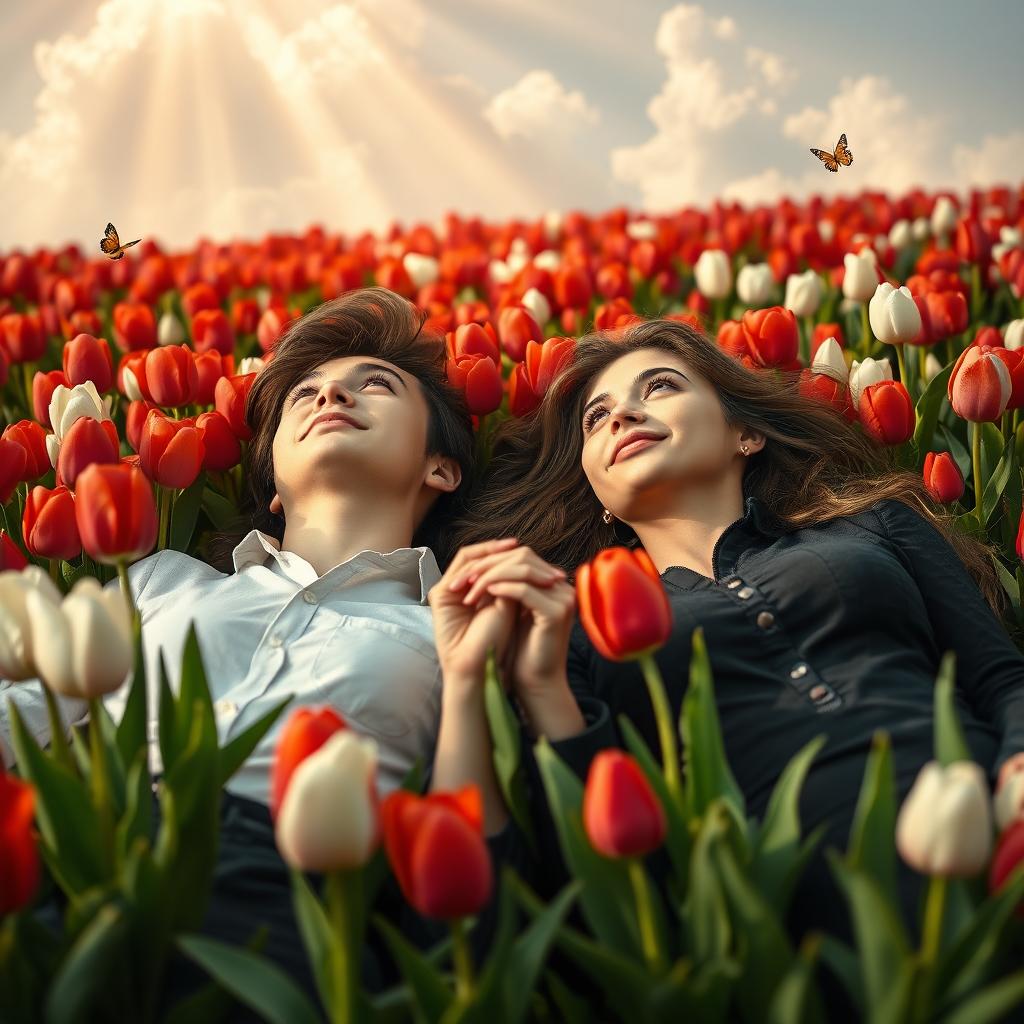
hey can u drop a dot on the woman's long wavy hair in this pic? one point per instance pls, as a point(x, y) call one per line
point(815, 465)
point(364, 322)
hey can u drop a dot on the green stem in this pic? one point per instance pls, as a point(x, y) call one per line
point(463, 961)
point(100, 785)
point(653, 954)
point(54, 566)
point(931, 938)
point(666, 731)
point(58, 739)
point(975, 290)
point(976, 462)
point(1007, 428)
point(804, 331)
point(166, 493)
point(27, 375)
point(865, 331)
point(903, 367)
point(122, 575)
point(345, 952)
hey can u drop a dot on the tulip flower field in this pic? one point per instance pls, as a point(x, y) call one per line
point(123, 387)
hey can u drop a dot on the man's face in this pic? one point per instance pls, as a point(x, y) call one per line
point(358, 419)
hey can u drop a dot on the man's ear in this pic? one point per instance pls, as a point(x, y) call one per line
point(443, 474)
point(275, 505)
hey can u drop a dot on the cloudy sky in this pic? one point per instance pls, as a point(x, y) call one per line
point(181, 119)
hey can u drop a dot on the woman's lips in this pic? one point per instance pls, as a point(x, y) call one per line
point(636, 446)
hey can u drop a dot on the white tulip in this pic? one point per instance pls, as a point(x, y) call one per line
point(944, 216)
point(829, 360)
point(932, 366)
point(901, 235)
point(548, 260)
point(713, 273)
point(329, 819)
point(1013, 334)
point(945, 824)
point(859, 278)
point(538, 305)
point(499, 272)
point(263, 295)
point(422, 270)
point(863, 375)
point(826, 230)
point(517, 259)
point(803, 293)
point(893, 315)
point(131, 385)
point(552, 225)
point(83, 646)
point(251, 364)
point(16, 661)
point(921, 228)
point(1009, 801)
point(169, 331)
point(754, 284)
point(69, 404)
point(641, 229)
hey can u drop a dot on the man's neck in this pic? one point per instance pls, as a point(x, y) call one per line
point(329, 531)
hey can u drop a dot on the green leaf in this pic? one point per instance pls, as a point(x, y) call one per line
point(996, 483)
point(928, 407)
point(873, 833)
point(842, 962)
point(220, 511)
point(316, 933)
point(235, 752)
point(138, 816)
point(950, 744)
point(991, 448)
point(507, 742)
point(64, 811)
point(992, 1004)
point(706, 914)
point(131, 731)
point(796, 999)
point(1009, 583)
point(708, 775)
point(777, 848)
point(186, 512)
point(430, 990)
point(252, 980)
point(194, 687)
point(961, 455)
point(89, 968)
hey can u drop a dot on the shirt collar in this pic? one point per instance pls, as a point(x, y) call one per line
point(756, 523)
point(415, 566)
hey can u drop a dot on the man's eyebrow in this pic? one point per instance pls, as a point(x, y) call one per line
point(319, 374)
point(639, 378)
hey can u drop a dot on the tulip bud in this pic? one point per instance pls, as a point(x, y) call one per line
point(621, 814)
point(945, 824)
point(829, 360)
point(920, 228)
point(536, 302)
point(19, 855)
point(16, 660)
point(803, 293)
point(887, 412)
point(944, 217)
point(115, 513)
point(479, 379)
point(230, 395)
point(1009, 801)
point(171, 451)
point(48, 524)
point(771, 336)
point(171, 375)
point(530, 378)
point(893, 314)
point(83, 646)
point(1013, 335)
point(329, 817)
point(11, 556)
point(622, 603)
point(1007, 857)
point(901, 235)
point(251, 364)
point(516, 329)
point(43, 386)
point(134, 326)
point(754, 284)
point(943, 478)
point(305, 732)
point(932, 366)
point(32, 439)
point(88, 359)
point(221, 449)
point(68, 404)
point(713, 273)
point(88, 441)
point(863, 375)
point(170, 330)
point(12, 467)
point(212, 331)
point(436, 848)
point(860, 277)
point(980, 386)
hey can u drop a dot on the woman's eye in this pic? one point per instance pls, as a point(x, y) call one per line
point(591, 418)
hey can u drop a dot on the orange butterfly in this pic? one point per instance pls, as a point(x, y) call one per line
point(832, 160)
point(111, 245)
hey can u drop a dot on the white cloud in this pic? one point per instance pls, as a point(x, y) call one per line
point(999, 159)
point(540, 108)
point(770, 66)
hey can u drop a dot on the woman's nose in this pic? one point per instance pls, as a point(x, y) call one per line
point(332, 391)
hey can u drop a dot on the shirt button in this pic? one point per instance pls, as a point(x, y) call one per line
point(733, 584)
point(226, 707)
point(309, 597)
point(819, 692)
point(765, 620)
point(275, 640)
point(799, 672)
point(745, 593)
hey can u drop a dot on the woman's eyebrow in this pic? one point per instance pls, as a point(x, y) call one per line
point(358, 368)
point(641, 376)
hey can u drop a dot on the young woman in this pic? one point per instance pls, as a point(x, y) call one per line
point(827, 583)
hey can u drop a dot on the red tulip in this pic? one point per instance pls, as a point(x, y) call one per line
point(171, 451)
point(43, 386)
point(272, 323)
point(12, 467)
point(5, 365)
point(516, 328)
point(732, 338)
point(22, 337)
point(86, 441)
point(989, 336)
point(19, 856)
point(88, 358)
point(245, 315)
point(612, 282)
point(230, 396)
point(212, 331)
point(822, 332)
point(887, 412)
point(972, 242)
point(1013, 360)
point(171, 376)
point(615, 315)
point(134, 326)
point(131, 376)
point(825, 388)
point(31, 436)
point(210, 367)
point(979, 386)
point(622, 603)
point(221, 448)
point(479, 378)
point(530, 379)
point(947, 313)
point(1020, 538)
point(474, 339)
point(11, 556)
point(199, 296)
point(437, 850)
point(1008, 855)
point(771, 335)
point(621, 814)
point(572, 287)
point(305, 732)
point(943, 478)
point(48, 524)
point(115, 513)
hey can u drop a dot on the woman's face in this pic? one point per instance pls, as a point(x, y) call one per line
point(651, 391)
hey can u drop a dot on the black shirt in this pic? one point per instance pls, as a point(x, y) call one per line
point(836, 629)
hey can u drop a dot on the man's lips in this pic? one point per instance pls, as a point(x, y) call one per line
point(334, 417)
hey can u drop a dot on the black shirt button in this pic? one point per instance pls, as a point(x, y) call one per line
point(765, 620)
point(745, 593)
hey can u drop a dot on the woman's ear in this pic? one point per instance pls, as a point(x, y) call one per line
point(753, 439)
point(444, 474)
point(275, 505)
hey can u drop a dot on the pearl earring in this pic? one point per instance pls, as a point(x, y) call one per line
point(745, 450)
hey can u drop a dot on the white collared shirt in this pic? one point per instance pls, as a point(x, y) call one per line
point(359, 638)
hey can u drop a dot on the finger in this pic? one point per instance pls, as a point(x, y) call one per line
point(543, 601)
point(471, 551)
point(474, 568)
point(505, 571)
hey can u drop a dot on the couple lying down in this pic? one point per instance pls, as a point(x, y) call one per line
point(380, 567)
